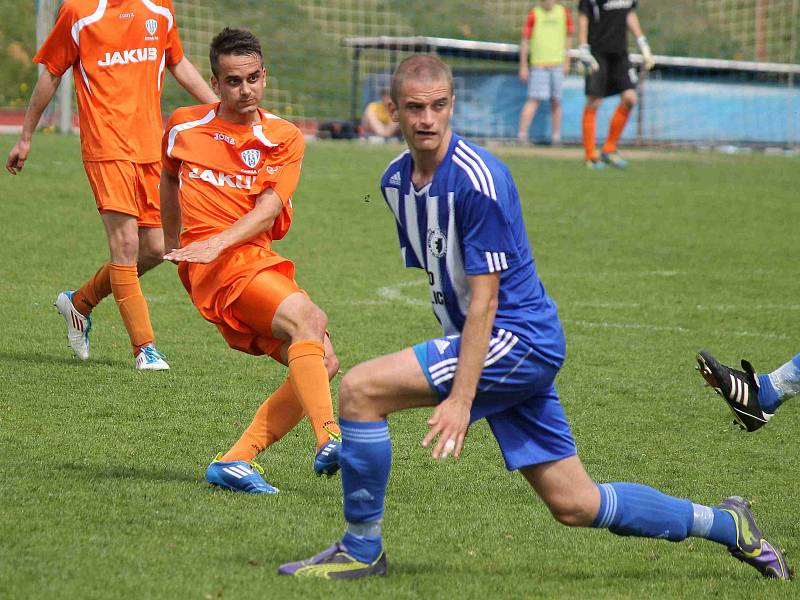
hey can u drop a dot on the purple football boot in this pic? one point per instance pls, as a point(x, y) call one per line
point(335, 563)
point(751, 546)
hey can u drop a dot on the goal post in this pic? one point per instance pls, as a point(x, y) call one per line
point(60, 111)
point(314, 75)
point(685, 100)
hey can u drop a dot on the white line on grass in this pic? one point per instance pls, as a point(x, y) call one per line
point(393, 294)
point(673, 328)
point(710, 307)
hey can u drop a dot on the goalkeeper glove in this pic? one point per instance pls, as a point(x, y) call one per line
point(647, 56)
point(586, 58)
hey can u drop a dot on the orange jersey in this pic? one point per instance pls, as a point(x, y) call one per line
point(118, 51)
point(223, 167)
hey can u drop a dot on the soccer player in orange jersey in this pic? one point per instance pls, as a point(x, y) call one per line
point(229, 172)
point(118, 51)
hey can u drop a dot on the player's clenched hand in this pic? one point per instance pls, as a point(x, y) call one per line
point(523, 74)
point(449, 421)
point(18, 156)
point(204, 251)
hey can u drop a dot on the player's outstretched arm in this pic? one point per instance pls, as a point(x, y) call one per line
point(170, 211)
point(43, 93)
point(450, 420)
point(192, 81)
point(267, 208)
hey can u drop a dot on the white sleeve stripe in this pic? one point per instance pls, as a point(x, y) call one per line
point(483, 166)
point(475, 169)
point(496, 261)
point(394, 160)
point(161, 68)
point(81, 23)
point(173, 133)
point(489, 262)
point(85, 78)
point(467, 170)
point(503, 260)
point(160, 10)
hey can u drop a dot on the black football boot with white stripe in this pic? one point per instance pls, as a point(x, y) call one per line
point(739, 388)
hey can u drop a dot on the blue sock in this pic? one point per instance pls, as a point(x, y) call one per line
point(780, 385)
point(638, 510)
point(767, 395)
point(714, 524)
point(631, 509)
point(366, 460)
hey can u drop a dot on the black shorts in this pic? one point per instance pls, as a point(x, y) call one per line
point(614, 76)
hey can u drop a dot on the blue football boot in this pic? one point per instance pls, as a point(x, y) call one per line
point(594, 164)
point(238, 476)
point(326, 462)
point(614, 159)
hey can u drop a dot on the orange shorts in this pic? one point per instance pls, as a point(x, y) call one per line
point(240, 292)
point(127, 187)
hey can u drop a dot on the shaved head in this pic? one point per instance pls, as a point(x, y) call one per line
point(419, 67)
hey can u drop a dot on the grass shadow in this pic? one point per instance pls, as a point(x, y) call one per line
point(93, 472)
point(43, 358)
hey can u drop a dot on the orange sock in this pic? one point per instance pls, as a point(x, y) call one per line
point(90, 293)
point(311, 386)
point(276, 417)
point(615, 128)
point(131, 303)
point(588, 128)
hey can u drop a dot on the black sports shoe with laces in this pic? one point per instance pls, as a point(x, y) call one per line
point(739, 388)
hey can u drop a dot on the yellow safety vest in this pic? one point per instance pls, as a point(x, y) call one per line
point(549, 38)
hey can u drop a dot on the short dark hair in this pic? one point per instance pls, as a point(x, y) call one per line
point(420, 66)
point(239, 42)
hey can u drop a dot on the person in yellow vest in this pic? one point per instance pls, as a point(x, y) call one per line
point(376, 120)
point(543, 62)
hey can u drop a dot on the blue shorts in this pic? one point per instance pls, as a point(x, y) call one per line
point(516, 395)
point(545, 83)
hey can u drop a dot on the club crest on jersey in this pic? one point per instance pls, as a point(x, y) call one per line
point(151, 25)
point(251, 157)
point(437, 242)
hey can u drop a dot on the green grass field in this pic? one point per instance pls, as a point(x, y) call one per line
point(101, 468)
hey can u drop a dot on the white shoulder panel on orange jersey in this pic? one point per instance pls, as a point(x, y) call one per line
point(173, 133)
point(93, 18)
point(160, 10)
point(258, 131)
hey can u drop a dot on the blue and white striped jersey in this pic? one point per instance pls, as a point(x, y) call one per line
point(468, 221)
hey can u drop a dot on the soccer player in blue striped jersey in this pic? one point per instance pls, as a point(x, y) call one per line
point(458, 218)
